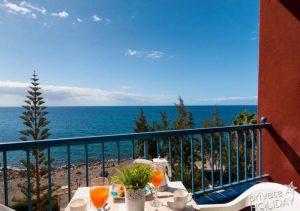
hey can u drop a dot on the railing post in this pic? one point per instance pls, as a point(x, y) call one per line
point(229, 158)
point(103, 160)
point(202, 162)
point(5, 178)
point(252, 152)
point(158, 147)
point(245, 154)
point(49, 180)
point(259, 152)
point(69, 172)
point(192, 162)
point(118, 151)
point(212, 160)
point(28, 180)
point(133, 149)
point(86, 165)
point(181, 160)
point(237, 157)
point(263, 121)
point(170, 155)
point(221, 159)
point(146, 148)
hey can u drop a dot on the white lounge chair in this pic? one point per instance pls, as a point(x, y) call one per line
point(262, 196)
point(4, 208)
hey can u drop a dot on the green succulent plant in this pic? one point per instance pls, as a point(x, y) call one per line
point(134, 177)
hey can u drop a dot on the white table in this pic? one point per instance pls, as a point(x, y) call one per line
point(165, 197)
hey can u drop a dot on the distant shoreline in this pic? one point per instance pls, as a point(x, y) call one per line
point(74, 106)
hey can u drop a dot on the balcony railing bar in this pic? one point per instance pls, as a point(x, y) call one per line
point(86, 152)
point(212, 160)
point(49, 180)
point(182, 136)
point(259, 152)
point(192, 163)
point(69, 171)
point(146, 143)
point(170, 155)
point(245, 154)
point(158, 147)
point(181, 159)
point(202, 162)
point(133, 149)
point(14, 146)
point(229, 158)
point(118, 151)
point(221, 158)
point(5, 177)
point(28, 179)
point(103, 160)
point(252, 152)
point(237, 156)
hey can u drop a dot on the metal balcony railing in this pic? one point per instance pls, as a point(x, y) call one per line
point(232, 152)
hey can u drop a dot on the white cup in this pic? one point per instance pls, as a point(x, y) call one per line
point(78, 205)
point(181, 198)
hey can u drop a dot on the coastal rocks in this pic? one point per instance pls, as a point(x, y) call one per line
point(59, 178)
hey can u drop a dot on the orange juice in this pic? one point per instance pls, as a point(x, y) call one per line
point(157, 177)
point(99, 196)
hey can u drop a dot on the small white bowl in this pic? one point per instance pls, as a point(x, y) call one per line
point(78, 205)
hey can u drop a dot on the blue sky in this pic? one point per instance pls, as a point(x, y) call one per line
point(116, 52)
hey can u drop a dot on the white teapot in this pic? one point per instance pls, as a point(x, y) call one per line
point(167, 171)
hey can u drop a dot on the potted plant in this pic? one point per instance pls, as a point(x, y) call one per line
point(134, 178)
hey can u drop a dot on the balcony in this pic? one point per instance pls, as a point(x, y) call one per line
point(218, 158)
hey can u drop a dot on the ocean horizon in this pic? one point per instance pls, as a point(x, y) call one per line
point(81, 121)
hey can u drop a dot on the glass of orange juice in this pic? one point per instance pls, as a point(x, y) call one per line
point(157, 176)
point(99, 192)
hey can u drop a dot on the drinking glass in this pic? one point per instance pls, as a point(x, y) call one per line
point(99, 192)
point(157, 176)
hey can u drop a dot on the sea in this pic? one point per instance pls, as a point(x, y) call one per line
point(68, 122)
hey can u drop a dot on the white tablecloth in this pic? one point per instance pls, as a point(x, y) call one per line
point(165, 197)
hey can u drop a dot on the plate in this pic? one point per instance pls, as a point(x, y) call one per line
point(115, 188)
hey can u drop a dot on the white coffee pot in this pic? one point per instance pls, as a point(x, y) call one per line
point(167, 171)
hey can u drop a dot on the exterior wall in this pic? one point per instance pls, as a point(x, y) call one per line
point(279, 88)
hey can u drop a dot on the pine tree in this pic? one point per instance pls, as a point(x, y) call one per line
point(244, 118)
point(34, 118)
point(184, 120)
point(141, 125)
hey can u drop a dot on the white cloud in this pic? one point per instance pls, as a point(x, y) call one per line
point(24, 8)
point(15, 9)
point(62, 14)
point(124, 87)
point(13, 94)
point(36, 8)
point(79, 20)
point(132, 52)
point(96, 18)
point(155, 54)
point(229, 100)
point(145, 54)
